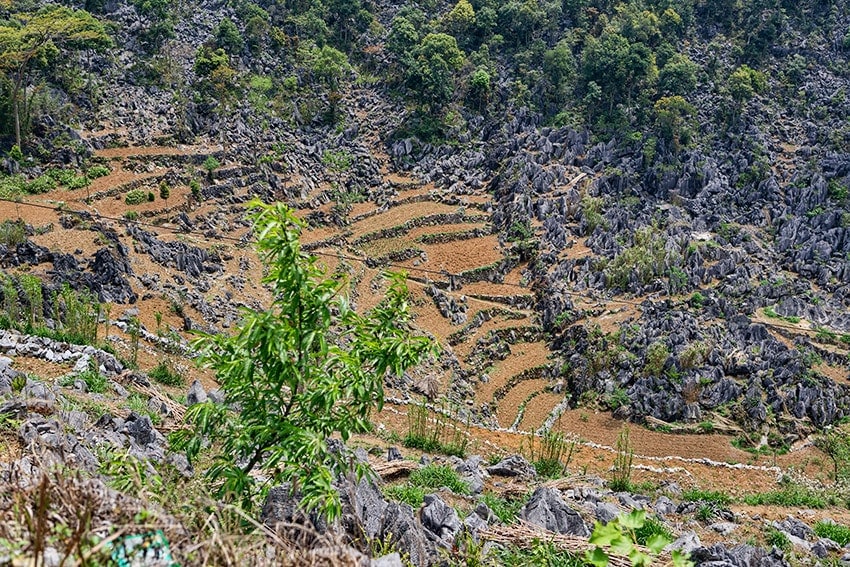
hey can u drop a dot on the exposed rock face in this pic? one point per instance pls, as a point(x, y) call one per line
point(740, 556)
point(548, 510)
point(513, 465)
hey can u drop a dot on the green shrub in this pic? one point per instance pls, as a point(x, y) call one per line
point(540, 554)
point(137, 404)
point(656, 357)
point(96, 382)
point(78, 182)
point(433, 432)
point(836, 532)
point(706, 512)
point(211, 164)
point(777, 539)
point(131, 215)
point(12, 232)
point(283, 409)
point(551, 455)
point(40, 185)
point(164, 374)
point(97, 171)
point(438, 476)
point(135, 197)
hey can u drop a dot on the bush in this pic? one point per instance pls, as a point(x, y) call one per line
point(12, 232)
point(433, 432)
point(438, 476)
point(777, 539)
point(97, 171)
point(836, 532)
point(552, 455)
point(135, 197)
point(651, 528)
point(211, 164)
point(40, 185)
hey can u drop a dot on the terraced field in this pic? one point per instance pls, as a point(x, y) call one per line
point(454, 260)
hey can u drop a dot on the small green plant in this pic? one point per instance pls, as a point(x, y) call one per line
point(697, 300)
point(211, 164)
point(551, 455)
point(777, 539)
point(165, 374)
point(134, 330)
point(407, 493)
point(97, 171)
point(792, 496)
point(836, 444)
point(711, 496)
point(19, 382)
point(656, 357)
point(836, 532)
point(620, 537)
point(438, 476)
point(538, 554)
point(164, 192)
point(135, 197)
point(137, 404)
point(96, 382)
point(283, 409)
point(195, 190)
point(131, 215)
point(126, 473)
point(651, 528)
point(621, 474)
point(706, 512)
point(12, 232)
point(506, 509)
point(433, 432)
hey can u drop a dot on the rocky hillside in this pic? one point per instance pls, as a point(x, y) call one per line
point(610, 213)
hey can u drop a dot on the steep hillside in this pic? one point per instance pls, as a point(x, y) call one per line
point(610, 213)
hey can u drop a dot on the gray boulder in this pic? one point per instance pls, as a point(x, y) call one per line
point(606, 512)
point(547, 509)
point(440, 519)
point(513, 466)
point(719, 555)
point(687, 542)
point(196, 394)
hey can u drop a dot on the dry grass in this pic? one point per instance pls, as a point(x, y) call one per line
point(44, 505)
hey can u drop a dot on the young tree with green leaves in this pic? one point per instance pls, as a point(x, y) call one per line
point(306, 368)
point(31, 38)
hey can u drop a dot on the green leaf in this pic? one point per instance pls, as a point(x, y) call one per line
point(657, 542)
point(681, 559)
point(597, 557)
point(638, 558)
point(605, 534)
point(622, 545)
point(633, 520)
